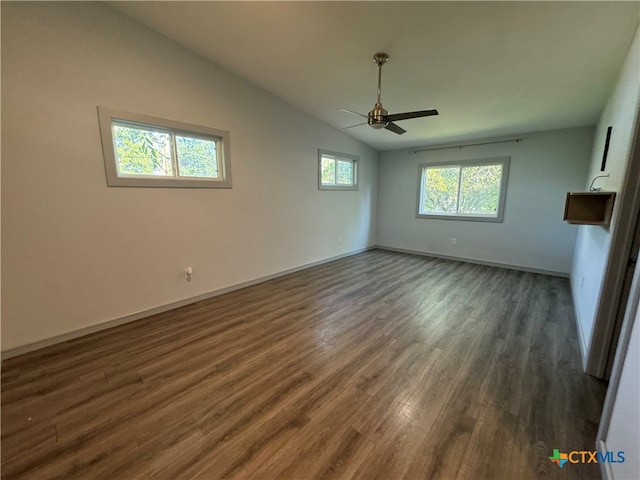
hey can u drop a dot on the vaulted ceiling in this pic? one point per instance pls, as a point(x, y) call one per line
point(490, 68)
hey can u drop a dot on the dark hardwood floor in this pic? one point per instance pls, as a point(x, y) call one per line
point(380, 365)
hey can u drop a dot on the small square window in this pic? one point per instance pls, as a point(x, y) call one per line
point(143, 151)
point(337, 171)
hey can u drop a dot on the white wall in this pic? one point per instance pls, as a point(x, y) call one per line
point(76, 253)
point(624, 428)
point(593, 242)
point(544, 167)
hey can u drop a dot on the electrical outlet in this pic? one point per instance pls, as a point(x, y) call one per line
point(454, 241)
point(188, 273)
point(339, 240)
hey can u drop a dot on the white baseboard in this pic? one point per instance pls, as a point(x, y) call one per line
point(584, 349)
point(47, 342)
point(479, 262)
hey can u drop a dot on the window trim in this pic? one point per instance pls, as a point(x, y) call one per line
point(106, 116)
point(355, 159)
point(504, 161)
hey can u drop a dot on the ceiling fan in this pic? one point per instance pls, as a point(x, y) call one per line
point(379, 117)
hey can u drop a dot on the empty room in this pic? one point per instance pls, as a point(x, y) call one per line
point(299, 240)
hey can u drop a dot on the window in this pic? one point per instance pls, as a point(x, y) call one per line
point(337, 171)
point(143, 151)
point(468, 190)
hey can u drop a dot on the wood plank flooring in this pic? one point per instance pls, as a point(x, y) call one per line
point(380, 365)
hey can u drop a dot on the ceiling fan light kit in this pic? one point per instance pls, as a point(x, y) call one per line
point(378, 117)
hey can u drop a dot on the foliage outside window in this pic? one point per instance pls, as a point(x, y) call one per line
point(469, 190)
point(337, 171)
point(145, 151)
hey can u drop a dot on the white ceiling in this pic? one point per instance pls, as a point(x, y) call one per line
point(490, 68)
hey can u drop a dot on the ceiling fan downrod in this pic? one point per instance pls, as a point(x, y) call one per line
point(376, 118)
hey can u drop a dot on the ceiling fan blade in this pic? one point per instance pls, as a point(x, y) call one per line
point(407, 115)
point(351, 126)
point(352, 112)
point(395, 128)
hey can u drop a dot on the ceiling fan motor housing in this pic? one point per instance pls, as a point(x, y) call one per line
point(377, 117)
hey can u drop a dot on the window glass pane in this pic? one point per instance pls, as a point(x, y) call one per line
point(440, 190)
point(328, 170)
point(142, 152)
point(345, 172)
point(197, 157)
point(480, 190)
point(337, 171)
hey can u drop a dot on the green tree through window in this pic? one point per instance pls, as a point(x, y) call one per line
point(196, 157)
point(474, 190)
point(337, 171)
point(144, 151)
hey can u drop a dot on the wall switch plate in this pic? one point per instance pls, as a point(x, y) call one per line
point(454, 241)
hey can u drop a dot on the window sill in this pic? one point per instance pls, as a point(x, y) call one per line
point(461, 218)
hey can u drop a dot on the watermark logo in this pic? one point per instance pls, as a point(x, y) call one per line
point(586, 456)
point(559, 458)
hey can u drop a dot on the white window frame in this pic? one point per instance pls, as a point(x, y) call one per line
point(345, 157)
point(108, 116)
point(504, 161)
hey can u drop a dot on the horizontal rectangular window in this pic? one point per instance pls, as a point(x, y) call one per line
point(468, 190)
point(337, 171)
point(144, 151)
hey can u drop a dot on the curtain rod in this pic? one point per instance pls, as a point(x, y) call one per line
point(517, 140)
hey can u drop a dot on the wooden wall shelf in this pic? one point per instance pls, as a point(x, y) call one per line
point(589, 208)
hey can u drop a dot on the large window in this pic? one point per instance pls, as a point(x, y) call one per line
point(468, 190)
point(337, 171)
point(143, 151)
